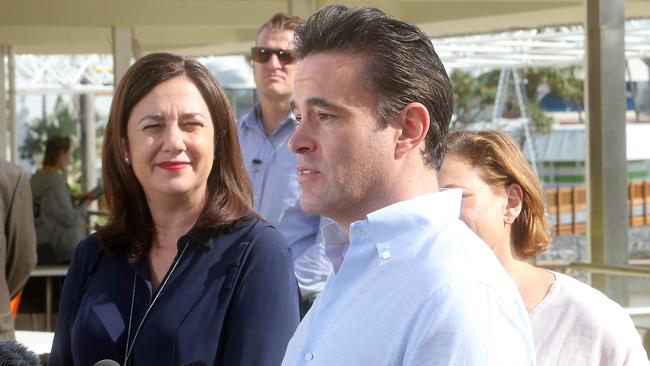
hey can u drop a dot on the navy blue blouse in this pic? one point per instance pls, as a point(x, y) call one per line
point(232, 300)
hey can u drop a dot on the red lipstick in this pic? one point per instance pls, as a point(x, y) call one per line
point(173, 165)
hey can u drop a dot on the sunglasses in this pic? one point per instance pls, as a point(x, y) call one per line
point(263, 55)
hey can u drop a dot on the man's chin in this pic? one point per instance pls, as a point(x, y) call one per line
point(277, 90)
point(310, 207)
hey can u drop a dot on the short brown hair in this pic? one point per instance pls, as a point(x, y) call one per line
point(228, 196)
point(501, 163)
point(54, 146)
point(401, 65)
point(281, 21)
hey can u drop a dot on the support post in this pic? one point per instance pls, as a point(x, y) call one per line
point(13, 153)
point(122, 51)
point(607, 223)
point(88, 151)
point(4, 141)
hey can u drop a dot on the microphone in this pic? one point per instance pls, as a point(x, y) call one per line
point(106, 363)
point(195, 363)
point(14, 353)
point(257, 161)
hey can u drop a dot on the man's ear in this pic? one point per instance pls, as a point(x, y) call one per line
point(515, 202)
point(414, 124)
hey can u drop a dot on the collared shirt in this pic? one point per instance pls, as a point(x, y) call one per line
point(415, 286)
point(231, 299)
point(276, 195)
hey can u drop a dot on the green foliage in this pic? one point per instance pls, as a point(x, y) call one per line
point(541, 121)
point(560, 81)
point(61, 122)
point(474, 96)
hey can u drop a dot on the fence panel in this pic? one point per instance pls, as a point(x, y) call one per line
point(567, 207)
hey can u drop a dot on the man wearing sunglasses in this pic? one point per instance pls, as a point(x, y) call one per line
point(263, 134)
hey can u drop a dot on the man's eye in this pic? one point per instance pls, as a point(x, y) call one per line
point(324, 116)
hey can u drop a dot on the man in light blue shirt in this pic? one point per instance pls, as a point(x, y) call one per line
point(412, 285)
point(263, 135)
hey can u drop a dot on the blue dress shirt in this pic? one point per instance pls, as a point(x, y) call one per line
point(414, 286)
point(276, 195)
point(232, 300)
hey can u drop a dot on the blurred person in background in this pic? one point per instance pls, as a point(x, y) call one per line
point(263, 135)
point(183, 272)
point(17, 240)
point(503, 202)
point(58, 224)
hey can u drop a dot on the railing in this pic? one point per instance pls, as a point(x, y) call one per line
point(568, 207)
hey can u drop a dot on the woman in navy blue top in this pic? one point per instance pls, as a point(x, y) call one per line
point(184, 272)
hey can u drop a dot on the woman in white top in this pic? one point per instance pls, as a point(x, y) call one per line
point(503, 202)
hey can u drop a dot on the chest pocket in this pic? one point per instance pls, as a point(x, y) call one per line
point(281, 193)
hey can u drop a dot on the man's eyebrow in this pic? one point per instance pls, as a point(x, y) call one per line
point(316, 102)
point(320, 102)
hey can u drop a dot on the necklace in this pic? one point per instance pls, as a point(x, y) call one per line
point(129, 349)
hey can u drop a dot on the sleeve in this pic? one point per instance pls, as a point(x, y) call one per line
point(264, 311)
point(61, 353)
point(21, 238)
point(622, 344)
point(471, 327)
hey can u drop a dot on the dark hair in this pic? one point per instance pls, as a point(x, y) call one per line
point(500, 163)
point(54, 146)
point(228, 196)
point(402, 66)
point(282, 21)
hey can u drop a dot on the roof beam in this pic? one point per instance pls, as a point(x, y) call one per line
point(135, 13)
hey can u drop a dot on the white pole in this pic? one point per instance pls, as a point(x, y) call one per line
point(4, 142)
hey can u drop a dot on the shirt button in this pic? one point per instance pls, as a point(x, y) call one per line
point(309, 356)
point(385, 254)
point(363, 232)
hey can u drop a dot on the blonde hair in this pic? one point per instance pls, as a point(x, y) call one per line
point(280, 22)
point(501, 163)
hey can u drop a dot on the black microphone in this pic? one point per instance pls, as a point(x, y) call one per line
point(14, 353)
point(106, 363)
point(195, 363)
point(257, 161)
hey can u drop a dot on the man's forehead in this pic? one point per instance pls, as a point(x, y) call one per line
point(275, 36)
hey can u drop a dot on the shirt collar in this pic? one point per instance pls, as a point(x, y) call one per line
point(388, 225)
point(253, 119)
point(336, 244)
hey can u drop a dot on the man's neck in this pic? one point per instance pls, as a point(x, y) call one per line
point(274, 112)
point(405, 185)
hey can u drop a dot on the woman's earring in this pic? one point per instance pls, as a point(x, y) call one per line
point(127, 160)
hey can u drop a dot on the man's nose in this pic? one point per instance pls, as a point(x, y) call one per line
point(301, 142)
point(274, 62)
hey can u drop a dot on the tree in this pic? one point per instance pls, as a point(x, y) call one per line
point(61, 122)
point(474, 97)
